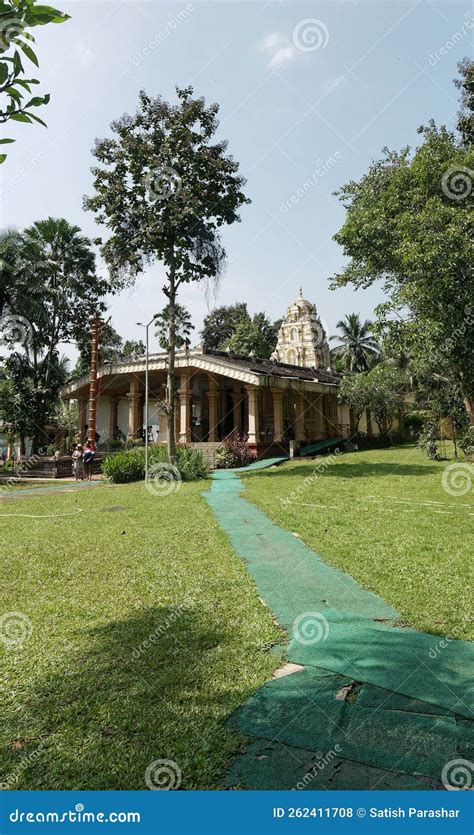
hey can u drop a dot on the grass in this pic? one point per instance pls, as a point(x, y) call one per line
point(89, 700)
point(383, 517)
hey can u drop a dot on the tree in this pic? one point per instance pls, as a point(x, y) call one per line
point(385, 388)
point(133, 347)
point(57, 293)
point(10, 241)
point(358, 345)
point(220, 325)
point(109, 348)
point(353, 393)
point(183, 327)
point(164, 189)
point(16, 18)
point(232, 327)
point(254, 336)
point(408, 224)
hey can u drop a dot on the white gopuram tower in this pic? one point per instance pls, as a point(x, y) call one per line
point(302, 339)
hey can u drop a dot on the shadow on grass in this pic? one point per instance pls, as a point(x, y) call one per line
point(157, 686)
point(326, 467)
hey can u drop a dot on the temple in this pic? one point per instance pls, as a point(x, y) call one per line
point(290, 397)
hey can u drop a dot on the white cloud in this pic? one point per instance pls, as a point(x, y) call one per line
point(85, 55)
point(279, 49)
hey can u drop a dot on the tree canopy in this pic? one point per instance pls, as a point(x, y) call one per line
point(408, 225)
point(232, 328)
point(164, 189)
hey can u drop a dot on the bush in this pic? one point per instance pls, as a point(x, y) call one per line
point(413, 423)
point(234, 452)
point(114, 445)
point(129, 465)
point(466, 443)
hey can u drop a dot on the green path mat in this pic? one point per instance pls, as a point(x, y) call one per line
point(385, 695)
point(272, 766)
point(303, 711)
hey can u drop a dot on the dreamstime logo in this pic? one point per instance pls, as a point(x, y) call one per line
point(163, 776)
point(457, 478)
point(163, 479)
point(457, 182)
point(15, 330)
point(310, 34)
point(10, 29)
point(457, 775)
point(162, 183)
point(310, 628)
point(15, 629)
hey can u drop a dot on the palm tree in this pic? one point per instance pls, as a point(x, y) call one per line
point(183, 327)
point(357, 348)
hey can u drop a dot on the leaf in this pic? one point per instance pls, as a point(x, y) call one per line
point(6, 141)
point(37, 119)
point(3, 72)
point(37, 101)
point(29, 53)
point(17, 62)
point(20, 117)
point(2, 158)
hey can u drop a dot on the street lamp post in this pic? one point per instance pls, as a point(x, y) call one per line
point(146, 389)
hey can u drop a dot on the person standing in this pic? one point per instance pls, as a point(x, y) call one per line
point(77, 463)
point(88, 458)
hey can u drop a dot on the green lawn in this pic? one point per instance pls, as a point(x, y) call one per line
point(383, 517)
point(84, 703)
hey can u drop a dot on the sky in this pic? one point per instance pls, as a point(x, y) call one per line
point(309, 94)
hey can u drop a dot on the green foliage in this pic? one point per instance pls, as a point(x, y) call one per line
point(52, 293)
point(232, 328)
point(133, 347)
point(164, 188)
point(466, 442)
point(109, 348)
point(357, 345)
point(129, 465)
point(234, 452)
point(408, 224)
point(382, 390)
point(429, 436)
point(413, 423)
point(183, 327)
point(353, 392)
point(386, 388)
point(16, 43)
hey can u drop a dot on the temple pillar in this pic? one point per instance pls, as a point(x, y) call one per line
point(113, 412)
point(277, 395)
point(81, 419)
point(212, 397)
point(300, 433)
point(236, 403)
point(185, 398)
point(252, 394)
point(133, 409)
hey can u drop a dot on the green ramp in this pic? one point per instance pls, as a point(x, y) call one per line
point(321, 446)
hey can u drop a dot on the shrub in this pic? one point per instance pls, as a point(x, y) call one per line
point(234, 452)
point(413, 423)
point(129, 465)
point(125, 466)
point(466, 443)
point(114, 445)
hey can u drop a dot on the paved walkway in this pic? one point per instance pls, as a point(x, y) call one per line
point(372, 706)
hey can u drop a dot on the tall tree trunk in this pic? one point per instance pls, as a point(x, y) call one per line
point(171, 380)
point(469, 405)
